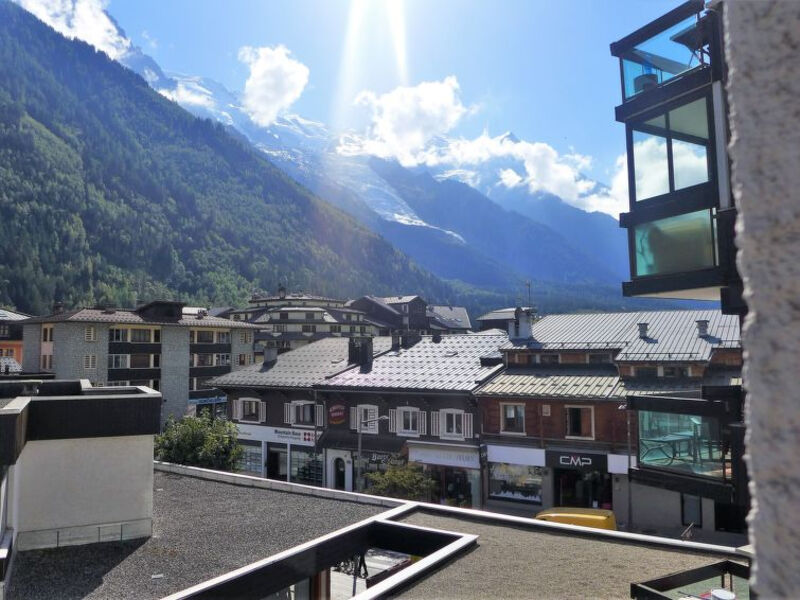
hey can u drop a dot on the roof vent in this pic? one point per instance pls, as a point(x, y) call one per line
point(702, 327)
point(437, 337)
point(109, 310)
point(642, 330)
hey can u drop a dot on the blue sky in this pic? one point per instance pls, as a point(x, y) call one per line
point(540, 68)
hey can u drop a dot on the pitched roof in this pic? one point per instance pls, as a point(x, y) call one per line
point(96, 315)
point(301, 367)
point(455, 317)
point(672, 335)
point(9, 315)
point(500, 314)
point(398, 299)
point(10, 363)
point(452, 364)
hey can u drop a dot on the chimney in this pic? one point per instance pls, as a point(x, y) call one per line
point(702, 327)
point(58, 307)
point(410, 338)
point(642, 330)
point(359, 351)
point(437, 337)
point(395, 341)
point(270, 355)
point(522, 325)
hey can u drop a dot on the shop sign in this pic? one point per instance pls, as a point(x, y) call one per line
point(576, 460)
point(336, 414)
point(285, 435)
point(449, 457)
point(390, 460)
point(208, 400)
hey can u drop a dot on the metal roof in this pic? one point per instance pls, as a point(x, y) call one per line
point(451, 364)
point(455, 317)
point(11, 364)
point(8, 315)
point(96, 315)
point(501, 314)
point(397, 299)
point(671, 335)
point(301, 367)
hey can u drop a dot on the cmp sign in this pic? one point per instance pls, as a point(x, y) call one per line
point(580, 461)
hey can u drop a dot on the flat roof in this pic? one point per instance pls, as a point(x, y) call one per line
point(516, 562)
point(201, 529)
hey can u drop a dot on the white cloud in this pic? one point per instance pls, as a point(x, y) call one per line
point(189, 93)
point(509, 178)
point(405, 120)
point(82, 19)
point(151, 41)
point(276, 81)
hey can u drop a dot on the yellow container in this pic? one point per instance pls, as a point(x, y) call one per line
point(598, 518)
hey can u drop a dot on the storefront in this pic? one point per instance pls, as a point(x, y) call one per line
point(516, 474)
point(288, 453)
point(454, 467)
point(580, 479)
point(378, 453)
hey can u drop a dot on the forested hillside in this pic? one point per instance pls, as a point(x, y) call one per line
point(109, 192)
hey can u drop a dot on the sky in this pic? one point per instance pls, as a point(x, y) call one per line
point(402, 72)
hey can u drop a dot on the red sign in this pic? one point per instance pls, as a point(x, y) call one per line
point(336, 414)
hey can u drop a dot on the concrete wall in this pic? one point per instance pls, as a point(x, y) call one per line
point(32, 342)
point(81, 491)
point(70, 346)
point(238, 347)
point(174, 371)
point(761, 46)
point(655, 508)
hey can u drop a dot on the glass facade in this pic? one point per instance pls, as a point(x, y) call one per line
point(515, 482)
point(305, 466)
point(251, 461)
point(687, 443)
point(667, 54)
point(675, 244)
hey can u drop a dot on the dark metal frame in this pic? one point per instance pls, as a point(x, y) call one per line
point(656, 589)
point(683, 516)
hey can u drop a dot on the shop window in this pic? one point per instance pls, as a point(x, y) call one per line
point(580, 422)
point(691, 510)
point(513, 418)
point(251, 460)
point(305, 466)
point(141, 336)
point(515, 482)
point(690, 444)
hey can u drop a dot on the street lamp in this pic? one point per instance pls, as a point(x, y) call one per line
point(361, 423)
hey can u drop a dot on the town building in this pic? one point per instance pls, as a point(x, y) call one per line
point(162, 345)
point(558, 431)
point(414, 401)
point(11, 345)
point(412, 313)
point(500, 318)
point(75, 466)
point(279, 416)
point(681, 234)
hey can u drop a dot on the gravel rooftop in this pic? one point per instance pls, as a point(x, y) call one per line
point(201, 529)
point(511, 562)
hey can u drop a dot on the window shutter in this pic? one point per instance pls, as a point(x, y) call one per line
point(372, 414)
point(423, 422)
point(354, 417)
point(319, 414)
point(435, 422)
point(392, 420)
point(262, 411)
point(467, 425)
point(287, 413)
point(237, 409)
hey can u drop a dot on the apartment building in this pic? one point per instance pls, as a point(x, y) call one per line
point(163, 345)
point(11, 345)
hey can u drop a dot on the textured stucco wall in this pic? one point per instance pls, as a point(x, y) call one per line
point(238, 347)
point(174, 371)
point(762, 50)
point(32, 342)
point(70, 346)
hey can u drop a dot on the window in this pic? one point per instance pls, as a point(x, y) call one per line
point(597, 358)
point(691, 510)
point(204, 337)
point(89, 334)
point(309, 328)
point(549, 359)
point(676, 372)
point(245, 337)
point(348, 317)
point(204, 360)
point(223, 360)
point(336, 329)
point(367, 415)
point(580, 422)
point(156, 336)
point(675, 244)
point(454, 424)
point(47, 333)
point(117, 334)
point(352, 328)
point(513, 418)
point(310, 316)
point(362, 329)
point(646, 372)
point(284, 316)
point(223, 337)
point(279, 328)
point(251, 461)
point(140, 336)
point(408, 420)
point(516, 482)
point(304, 413)
point(47, 362)
point(244, 360)
point(90, 362)
point(118, 361)
point(140, 361)
point(10, 352)
point(250, 410)
point(4, 331)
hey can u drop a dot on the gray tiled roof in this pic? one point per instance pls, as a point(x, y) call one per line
point(398, 299)
point(672, 335)
point(302, 367)
point(96, 315)
point(10, 315)
point(12, 364)
point(452, 316)
point(452, 364)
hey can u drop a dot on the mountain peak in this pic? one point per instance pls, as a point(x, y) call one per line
point(510, 137)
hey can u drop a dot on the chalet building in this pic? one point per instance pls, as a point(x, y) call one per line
point(291, 320)
point(162, 345)
point(558, 433)
point(11, 345)
point(411, 313)
point(415, 401)
point(681, 243)
point(500, 318)
point(278, 414)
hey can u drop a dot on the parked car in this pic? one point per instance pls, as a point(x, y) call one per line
point(598, 518)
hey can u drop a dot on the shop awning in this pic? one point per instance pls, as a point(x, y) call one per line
point(339, 439)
